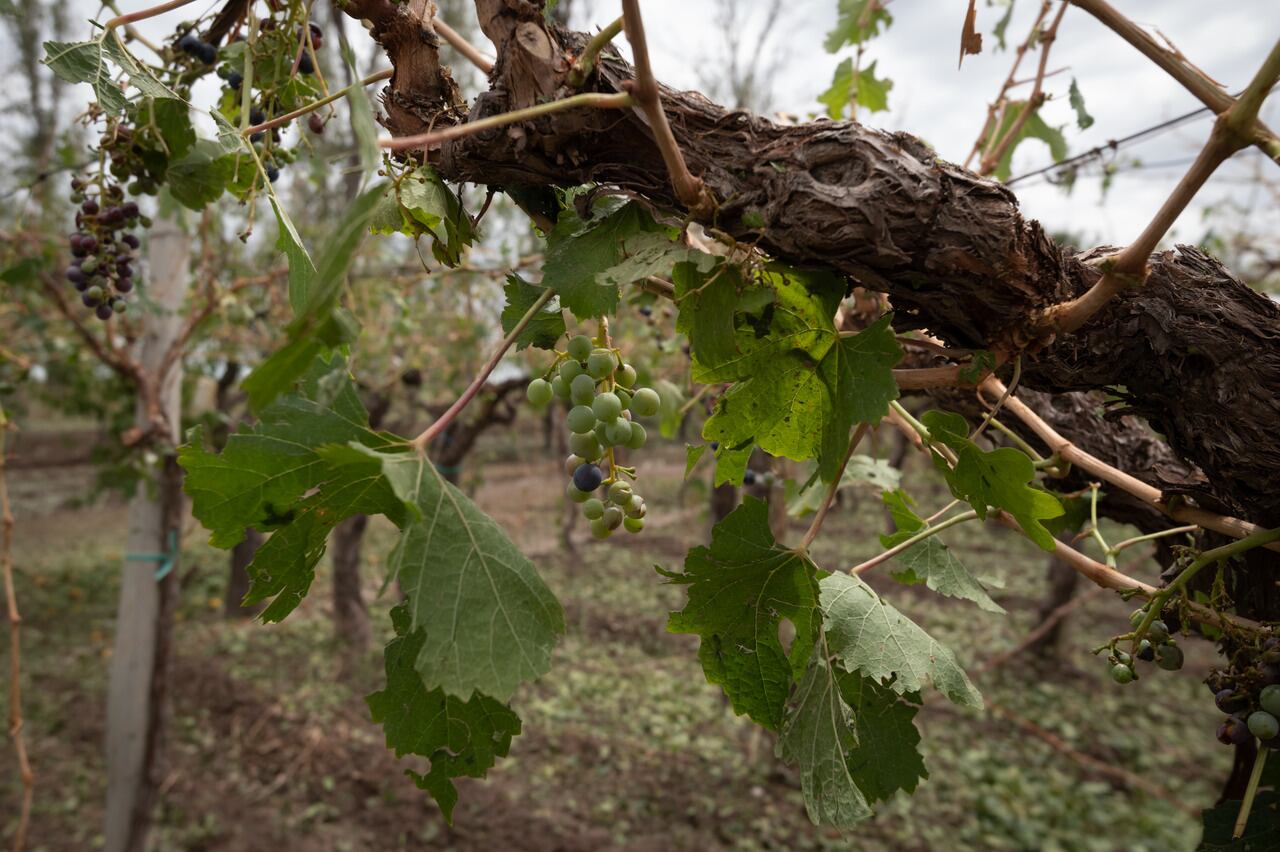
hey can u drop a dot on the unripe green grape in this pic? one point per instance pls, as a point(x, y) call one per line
point(582, 389)
point(599, 529)
point(626, 375)
point(95, 293)
point(1269, 699)
point(560, 388)
point(607, 407)
point(1121, 673)
point(620, 493)
point(638, 436)
point(577, 496)
point(636, 508)
point(633, 525)
point(1135, 617)
point(624, 397)
point(601, 434)
point(1158, 631)
point(612, 517)
point(600, 363)
point(570, 370)
point(618, 432)
point(593, 509)
point(585, 446)
point(579, 347)
point(572, 462)
point(1169, 657)
point(539, 392)
point(645, 402)
point(580, 420)
point(1123, 658)
point(1263, 725)
point(89, 265)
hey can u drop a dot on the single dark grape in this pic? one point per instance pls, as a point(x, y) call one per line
point(305, 65)
point(75, 275)
point(1270, 673)
point(188, 43)
point(104, 311)
point(89, 301)
point(256, 116)
point(1146, 651)
point(1234, 731)
point(235, 79)
point(206, 53)
point(587, 478)
point(749, 477)
point(124, 285)
point(715, 446)
point(131, 240)
point(272, 173)
point(315, 123)
point(90, 207)
point(1228, 701)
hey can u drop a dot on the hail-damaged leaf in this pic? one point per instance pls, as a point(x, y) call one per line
point(930, 562)
point(707, 300)
point(489, 621)
point(861, 471)
point(739, 590)
point(731, 463)
point(419, 204)
point(275, 478)
point(997, 478)
point(547, 325)
point(692, 454)
point(199, 177)
point(818, 737)
point(872, 638)
point(1033, 128)
point(91, 62)
point(856, 23)
point(783, 407)
point(970, 38)
point(460, 738)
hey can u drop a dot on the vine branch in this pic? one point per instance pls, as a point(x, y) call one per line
point(15, 653)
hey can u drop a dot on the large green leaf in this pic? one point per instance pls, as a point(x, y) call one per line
point(91, 62)
point(930, 562)
point(489, 621)
point(872, 638)
point(996, 478)
point(200, 176)
point(858, 375)
point(1033, 128)
point(460, 738)
point(864, 88)
point(739, 590)
point(856, 24)
point(888, 757)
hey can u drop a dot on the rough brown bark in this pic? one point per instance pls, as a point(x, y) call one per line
point(238, 582)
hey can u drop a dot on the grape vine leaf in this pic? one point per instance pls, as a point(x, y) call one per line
point(1033, 128)
point(888, 756)
point(731, 463)
point(858, 375)
point(588, 259)
point(870, 637)
point(863, 88)
point(997, 478)
point(420, 204)
point(930, 562)
point(739, 591)
point(200, 176)
point(854, 25)
point(707, 299)
point(489, 621)
point(274, 477)
point(1262, 831)
point(547, 326)
point(818, 736)
point(90, 62)
point(460, 738)
point(692, 453)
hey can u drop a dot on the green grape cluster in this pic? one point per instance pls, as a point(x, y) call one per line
point(1157, 646)
point(604, 404)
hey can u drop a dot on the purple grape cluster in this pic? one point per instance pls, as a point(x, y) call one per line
point(102, 259)
point(1249, 693)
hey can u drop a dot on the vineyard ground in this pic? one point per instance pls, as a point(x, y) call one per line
point(625, 745)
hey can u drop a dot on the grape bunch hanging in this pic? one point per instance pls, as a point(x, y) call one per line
point(101, 248)
point(604, 401)
point(1249, 692)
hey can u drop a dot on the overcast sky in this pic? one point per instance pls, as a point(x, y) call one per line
point(947, 107)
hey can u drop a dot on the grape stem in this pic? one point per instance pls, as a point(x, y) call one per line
point(427, 435)
point(142, 15)
point(315, 105)
point(1209, 557)
point(927, 532)
point(821, 516)
point(1250, 792)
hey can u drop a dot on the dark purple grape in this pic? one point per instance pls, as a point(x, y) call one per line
point(1269, 673)
point(256, 116)
point(587, 478)
point(104, 312)
point(90, 207)
point(131, 240)
point(1228, 701)
point(316, 32)
point(188, 43)
point(305, 66)
point(235, 79)
point(206, 53)
point(89, 301)
point(124, 284)
point(315, 123)
point(1234, 731)
point(131, 209)
point(88, 244)
point(1146, 651)
point(75, 275)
